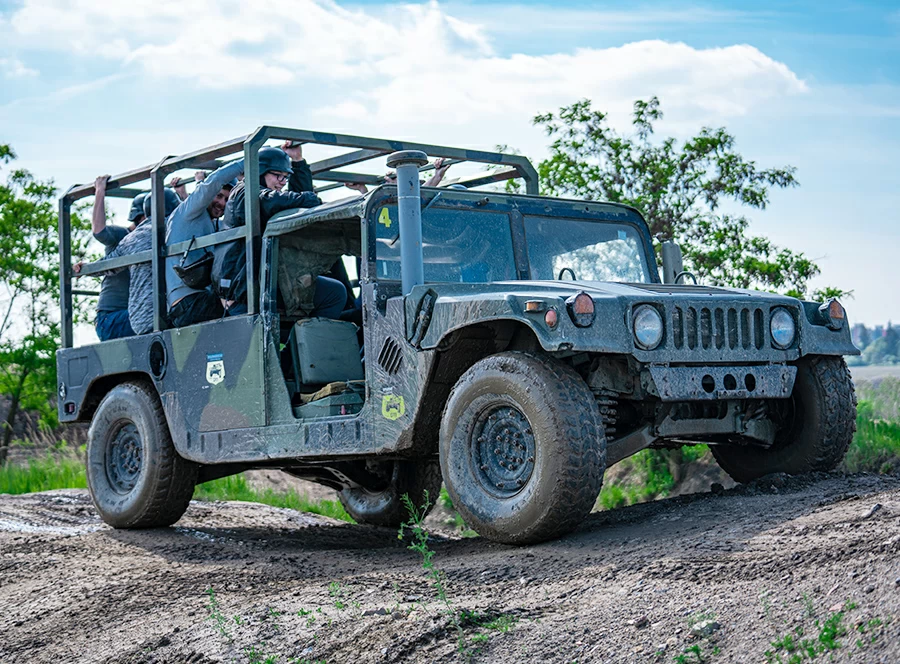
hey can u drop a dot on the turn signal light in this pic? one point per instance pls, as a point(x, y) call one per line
point(833, 314)
point(551, 318)
point(581, 309)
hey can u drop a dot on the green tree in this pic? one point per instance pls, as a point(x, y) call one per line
point(679, 188)
point(29, 275)
point(885, 349)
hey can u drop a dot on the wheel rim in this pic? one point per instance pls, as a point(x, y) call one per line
point(124, 457)
point(503, 450)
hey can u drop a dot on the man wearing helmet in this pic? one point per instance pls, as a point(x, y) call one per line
point(112, 305)
point(139, 310)
point(195, 217)
point(277, 167)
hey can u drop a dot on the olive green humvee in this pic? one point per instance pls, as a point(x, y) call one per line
point(510, 346)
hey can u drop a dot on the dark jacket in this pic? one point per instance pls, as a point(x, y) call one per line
point(229, 266)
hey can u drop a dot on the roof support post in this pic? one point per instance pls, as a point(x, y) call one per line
point(65, 271)
point(409, 209)
point(251, 214)
point(158, 244)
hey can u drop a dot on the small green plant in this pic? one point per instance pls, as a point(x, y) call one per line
point(220, 622)
point(792, 648)
point(419, 544)
point(338, 593)
point(690, 655)
point(809, 606)
point(256, 655)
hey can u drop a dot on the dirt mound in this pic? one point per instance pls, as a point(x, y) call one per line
point(722, 575)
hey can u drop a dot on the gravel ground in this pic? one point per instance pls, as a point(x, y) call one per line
point(717, 576)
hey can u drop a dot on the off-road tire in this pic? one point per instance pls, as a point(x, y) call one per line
point(162, 487)
point(565, 445)
point(816, 435)
point(420, 479)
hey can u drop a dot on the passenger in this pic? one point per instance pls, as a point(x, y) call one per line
point(391, 178)
point(140, 294)
point(112, 305)
point(276, 167)
point(195, 217)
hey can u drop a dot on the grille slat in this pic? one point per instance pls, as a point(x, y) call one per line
point(718, 328)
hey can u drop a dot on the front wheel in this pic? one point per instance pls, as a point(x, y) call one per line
point(815, 434)
point(522, 448)
point(135, 476)
point(419, 479)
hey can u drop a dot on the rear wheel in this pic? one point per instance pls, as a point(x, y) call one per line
point(135, 476)
point(420, 479)
point(815, 434)
point(522, 448)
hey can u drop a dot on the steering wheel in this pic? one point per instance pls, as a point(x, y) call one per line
point(563, 271)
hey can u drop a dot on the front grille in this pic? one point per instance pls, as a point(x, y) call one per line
point(709, 328)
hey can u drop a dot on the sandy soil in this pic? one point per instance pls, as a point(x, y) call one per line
point(727, 573)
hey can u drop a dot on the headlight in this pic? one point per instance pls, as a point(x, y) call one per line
point(782, 327)
point(648, 327)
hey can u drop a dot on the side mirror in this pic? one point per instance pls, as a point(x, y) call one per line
point(672, 262)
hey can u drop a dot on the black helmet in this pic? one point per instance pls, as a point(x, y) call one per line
point(273, 159)
point(137, 207)
point(172, 202)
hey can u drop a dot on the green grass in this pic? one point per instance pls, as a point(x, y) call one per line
point(43, 474)
point(235, 487)
point(876, 445)
point(66, 472)
point(648, 476)
point(883, 397)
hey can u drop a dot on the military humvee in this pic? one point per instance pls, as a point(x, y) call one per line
point(511, 346)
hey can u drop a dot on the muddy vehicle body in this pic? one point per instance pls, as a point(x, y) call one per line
point(511, 346)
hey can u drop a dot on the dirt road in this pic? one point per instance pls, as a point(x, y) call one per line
point(717, 577)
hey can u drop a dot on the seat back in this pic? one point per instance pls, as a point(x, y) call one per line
point(324, 351)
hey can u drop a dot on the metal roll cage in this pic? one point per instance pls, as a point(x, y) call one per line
point(324, 171)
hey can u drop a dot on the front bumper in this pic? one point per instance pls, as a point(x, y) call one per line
point(700, 383)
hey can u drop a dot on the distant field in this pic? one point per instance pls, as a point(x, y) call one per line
point(875, 371)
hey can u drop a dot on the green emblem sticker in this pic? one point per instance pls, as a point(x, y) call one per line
point(392, 406)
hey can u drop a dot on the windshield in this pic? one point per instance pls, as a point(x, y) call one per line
point(457, 245)
point(585, 250)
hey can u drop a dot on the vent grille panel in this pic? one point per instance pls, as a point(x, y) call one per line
point(391, 357)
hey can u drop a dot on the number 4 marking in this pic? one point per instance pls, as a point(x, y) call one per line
point(385, 218)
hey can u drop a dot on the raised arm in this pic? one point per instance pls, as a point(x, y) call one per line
point(301, 176)
point(98, 218)
point(206, 191)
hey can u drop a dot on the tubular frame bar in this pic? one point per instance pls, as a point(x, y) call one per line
point(65, 270)
point(208, 159)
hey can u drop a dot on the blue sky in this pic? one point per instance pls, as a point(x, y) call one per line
point(93, 87)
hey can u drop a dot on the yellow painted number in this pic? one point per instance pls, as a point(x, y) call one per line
point(385, 218)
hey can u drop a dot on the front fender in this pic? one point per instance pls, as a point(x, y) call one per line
point(430, 320)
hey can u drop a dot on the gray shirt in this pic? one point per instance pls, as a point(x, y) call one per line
point(140, 295)
point(113, 288)
point(191, 219)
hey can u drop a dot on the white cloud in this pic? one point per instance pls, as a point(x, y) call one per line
point(441, 67)
point(15, 68)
